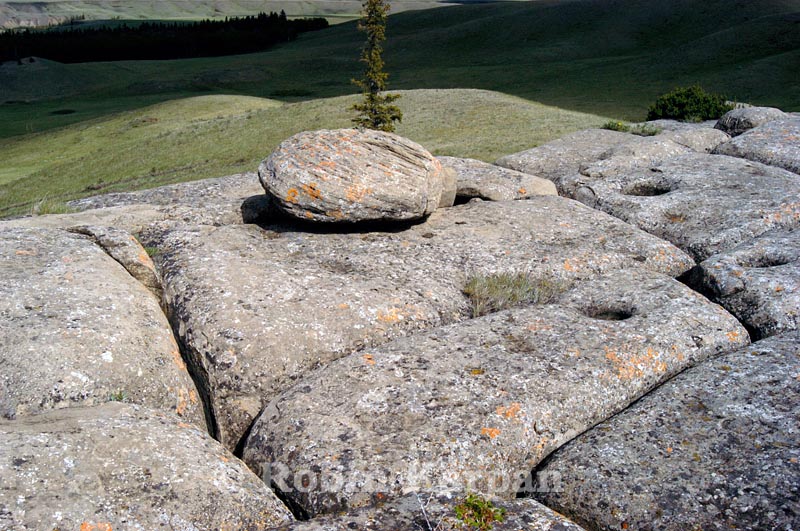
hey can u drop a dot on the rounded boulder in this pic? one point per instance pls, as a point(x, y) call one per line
point(349, 175)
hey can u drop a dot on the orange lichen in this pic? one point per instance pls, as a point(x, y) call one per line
point(183, 401)
point(308, 215)
point(509, 412)
point(291, 195)
point(369, 359)
point(733, 335)
point(100, 526)
point(311, 190)
point(177, 359)
point(343, 306)
point(522, 191)
point(23, 252)
point(356, 194)
point(390, 316)
point(335, 214)
point(568, 266)
point(491, 432)
point(635, 366)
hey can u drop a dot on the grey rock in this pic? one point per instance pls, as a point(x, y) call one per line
point(757, 281)
point(436, 512)
point(704, 204)
point(738, 121)
point(714, 448)
point(449, 187)
point(349, 175)
point(566, 155)
point(776, 143)
point(639, 152)
point(701, 139)
point(495, 183)
point(123, 247)
point(476, 405)
point(258, 308)
point(228, 200)
point(77, 329)
point(119, 466)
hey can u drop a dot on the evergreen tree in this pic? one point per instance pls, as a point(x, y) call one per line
point(376, 110)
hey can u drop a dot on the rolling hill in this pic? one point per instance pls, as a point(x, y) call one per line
point(211, 136)
point(608, 57)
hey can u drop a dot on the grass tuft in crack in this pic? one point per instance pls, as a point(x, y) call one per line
point(492, 293)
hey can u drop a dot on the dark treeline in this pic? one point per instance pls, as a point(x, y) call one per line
point(156, 40)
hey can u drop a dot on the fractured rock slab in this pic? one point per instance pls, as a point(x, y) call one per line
point(257, 309)
point(119, 466)
point(475, 405)
point(738, 121)
point(714, 448)
point(704, 204)
point(349, 175)
point(495, 183)
point(566, 155)
point(424, 511)
point(637, 153)
point(701, 139)
point(757, 281)
point(77, 329)
point(776, 143)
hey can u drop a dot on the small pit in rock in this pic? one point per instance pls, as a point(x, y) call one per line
point(609, 314)
point(647, 189)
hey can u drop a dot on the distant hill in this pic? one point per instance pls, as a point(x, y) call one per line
point(15, 13)
point(211, 136)
point(607, 57)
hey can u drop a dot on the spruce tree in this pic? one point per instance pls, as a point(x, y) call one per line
point(375, 110)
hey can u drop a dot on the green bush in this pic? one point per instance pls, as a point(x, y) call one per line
point(692, 104)
point(479, 513)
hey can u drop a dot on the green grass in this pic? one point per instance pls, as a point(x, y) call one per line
point(592, 56)
point(493, 293)
point(211, 136)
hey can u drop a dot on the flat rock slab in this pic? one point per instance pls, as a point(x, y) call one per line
point(77, 329)
point(259, 308)
point(119, 466)
point(349, 175)
point(738, 121)
point(757, 281)
point(641, 152)
point(714, 448)
point(228, 200)
point(566, 155)
point(429, 512)
point(476, 405)
point(494, 183)
point(704, 204)
point(776, 143)
point(700, 139)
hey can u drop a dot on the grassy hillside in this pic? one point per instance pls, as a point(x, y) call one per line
point(610, 57)
point(211, 136)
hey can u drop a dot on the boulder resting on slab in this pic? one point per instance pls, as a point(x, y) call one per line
point(494, 183)
point(757, 281)
point(79, 330)
point(717, 447)
point(349, 175)
point(738, 121)
point(259, 307)
point(476, 405)
point(704, 204)
point(120, 466)
point(776, 143)
point(438, 512)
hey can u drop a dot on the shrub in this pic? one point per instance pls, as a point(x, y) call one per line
point(478, 513)
point(691, 104)
point(611, 125)
point(492, 293)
